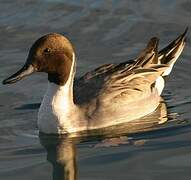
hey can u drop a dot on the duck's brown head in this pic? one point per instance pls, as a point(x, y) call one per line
point(53, 54)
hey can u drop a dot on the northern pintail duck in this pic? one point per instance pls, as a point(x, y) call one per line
point(107, 96)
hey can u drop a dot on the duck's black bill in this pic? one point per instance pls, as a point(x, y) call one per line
point(23, 72)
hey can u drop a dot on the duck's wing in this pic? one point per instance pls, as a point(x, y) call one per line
point(103, 70)
point(121, 76)
point(130, 76)
point(137, 80)
point(131, 86)
point(129, 92)
point(88, 86)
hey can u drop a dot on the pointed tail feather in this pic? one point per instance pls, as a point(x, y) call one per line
point(148, 56)
point(170, 54)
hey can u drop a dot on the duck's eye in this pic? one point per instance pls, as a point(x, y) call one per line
point(46, 50)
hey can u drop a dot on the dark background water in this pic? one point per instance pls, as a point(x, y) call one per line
point(102, 32)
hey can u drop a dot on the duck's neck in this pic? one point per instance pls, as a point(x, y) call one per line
point(58, 113)
point(63, 94)
point(59, 97)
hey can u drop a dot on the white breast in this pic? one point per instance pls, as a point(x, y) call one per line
point(54, 110)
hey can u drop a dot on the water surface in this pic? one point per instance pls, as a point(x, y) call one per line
point(102, 32)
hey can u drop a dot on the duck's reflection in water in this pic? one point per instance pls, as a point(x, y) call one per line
point(61, 153)
point(61, 150)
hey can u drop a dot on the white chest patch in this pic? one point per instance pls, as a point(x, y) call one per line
point(55, 109)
